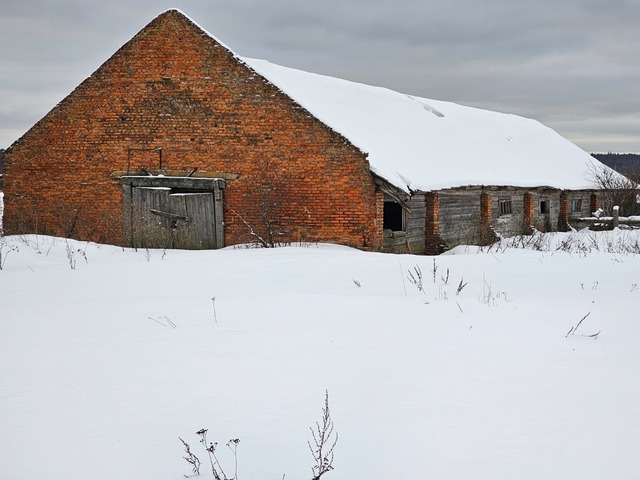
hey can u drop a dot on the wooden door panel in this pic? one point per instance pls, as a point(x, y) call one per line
point(198, 231)
point(149, 230)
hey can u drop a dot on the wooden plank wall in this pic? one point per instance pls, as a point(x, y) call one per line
point(513, 223)
point(460, 216)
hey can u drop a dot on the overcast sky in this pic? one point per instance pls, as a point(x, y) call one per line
point(571, 64)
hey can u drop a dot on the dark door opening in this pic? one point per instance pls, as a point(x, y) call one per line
point(544, 207)
point(393, 217)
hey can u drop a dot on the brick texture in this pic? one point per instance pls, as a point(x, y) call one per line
point(563, 217)
point(528, 213)
point(173, 99)
point(594, 204)
point(487, 234)
point(434, 242)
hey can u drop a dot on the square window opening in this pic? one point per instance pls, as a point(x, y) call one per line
point(576, 205)
point(505, 207)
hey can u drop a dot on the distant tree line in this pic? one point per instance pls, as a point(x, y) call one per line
point(626, 163)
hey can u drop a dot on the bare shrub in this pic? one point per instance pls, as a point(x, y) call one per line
point(573, 330)
point(615, 189)
point(537, 240)
point(324, 442)
point(270, 220)
point(415, 278)
point(461, 286)
point(582, 243)
point(191, 458)
point(5, 249)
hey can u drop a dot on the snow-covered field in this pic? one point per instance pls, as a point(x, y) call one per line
point(108, 355)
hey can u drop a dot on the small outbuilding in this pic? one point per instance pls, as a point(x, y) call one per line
point(177, 142)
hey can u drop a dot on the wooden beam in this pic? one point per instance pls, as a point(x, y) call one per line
point(171, 216)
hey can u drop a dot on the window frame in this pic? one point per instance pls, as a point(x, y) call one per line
point(544, 206)
point(577, 202)
point(505, 207)
point(402, 213)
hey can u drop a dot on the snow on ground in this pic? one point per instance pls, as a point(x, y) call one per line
point(98, 383)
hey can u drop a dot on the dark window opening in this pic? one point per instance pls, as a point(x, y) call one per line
point(393, 217)
point(505, 207)
point(544, 206)
point(576, 205)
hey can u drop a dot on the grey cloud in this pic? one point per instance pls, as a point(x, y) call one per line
point(568, 63)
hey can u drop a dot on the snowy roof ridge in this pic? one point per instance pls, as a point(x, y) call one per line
point(421, 144)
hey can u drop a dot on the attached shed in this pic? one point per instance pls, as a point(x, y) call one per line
point(177, 142)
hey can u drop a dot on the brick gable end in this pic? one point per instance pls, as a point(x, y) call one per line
point(173, 99)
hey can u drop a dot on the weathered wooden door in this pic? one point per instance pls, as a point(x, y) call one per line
point(166, 217)
point(194, 228)
point(147, 229)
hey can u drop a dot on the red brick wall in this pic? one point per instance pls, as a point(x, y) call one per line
point(563, 217)
point(594, 204)
point(486, 217)
point(375, 237)
point(175, 89)
point(432, 224)
point(528, 213)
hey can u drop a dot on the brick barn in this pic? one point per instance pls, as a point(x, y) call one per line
point(175, 141)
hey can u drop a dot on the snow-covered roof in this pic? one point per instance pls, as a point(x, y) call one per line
point(420, 144)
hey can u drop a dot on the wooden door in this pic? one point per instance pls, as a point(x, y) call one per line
point(161, 218)
point(195, 227)
point(147, 229)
